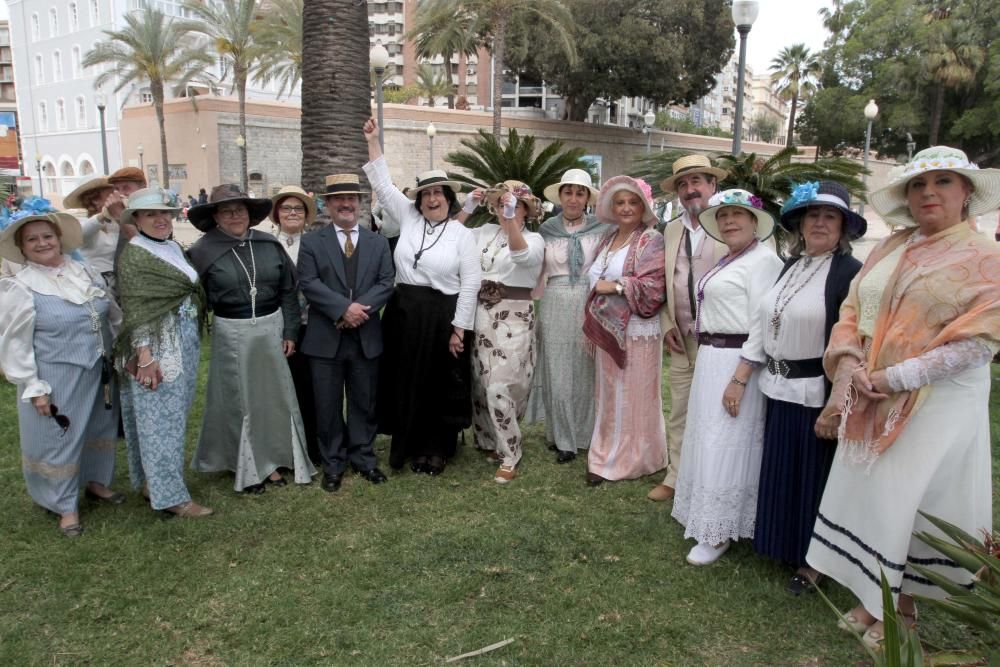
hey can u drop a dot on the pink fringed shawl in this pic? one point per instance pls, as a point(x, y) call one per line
point(606, 315)
point(945, 288)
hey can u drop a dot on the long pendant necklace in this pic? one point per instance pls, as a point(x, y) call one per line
point(609, 253)
point(703, 283)
point(779, 306)
point(423, 238)
point(251, 280)
point(493, 257)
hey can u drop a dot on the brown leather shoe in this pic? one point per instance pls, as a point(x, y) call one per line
point(661, 492)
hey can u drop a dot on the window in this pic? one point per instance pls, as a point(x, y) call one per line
point(57, 66)
point(39, 69)
point(53, 23)
point(74, 17)
point(75, 62)
point(36, 30)
point(43, 116)
point(95, 13)
point(81, 111)
point(61, 114)
point(145, 97)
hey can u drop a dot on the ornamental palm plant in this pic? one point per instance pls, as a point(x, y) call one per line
point(432, 84)
point(488, 161)
point(438, 31)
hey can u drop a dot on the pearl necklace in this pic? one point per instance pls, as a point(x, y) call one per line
point(797, 271)
point(251, 280)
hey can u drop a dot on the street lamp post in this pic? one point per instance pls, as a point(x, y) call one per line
point(649, 119)
point(379, 59)
point(431, 131)
point(871, 111)
point(744, 14)
point(911, 146)
point(38, 166)
point(102, 104)
point(142, 168)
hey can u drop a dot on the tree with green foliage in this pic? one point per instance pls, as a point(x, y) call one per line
point(432, 83)
point(151, 47)
point(795, 70)
point(400, 94)
point(280, 36)
point(764, 128)
point(437, 31)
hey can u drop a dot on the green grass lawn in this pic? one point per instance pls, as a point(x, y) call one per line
point(410, 572)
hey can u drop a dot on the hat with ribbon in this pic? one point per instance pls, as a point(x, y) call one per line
point(742, 199)
point(295, 192)
point(521, 192)
point(342, 184)
point(433, 177)
point(31, 210)
point(149, 199)
point(691, 164)
point(572, 177)
point(636, 186)
point(202, 216)
point(822, 193)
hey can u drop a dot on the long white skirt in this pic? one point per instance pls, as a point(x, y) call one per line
point(716, 493)
point(939, 464)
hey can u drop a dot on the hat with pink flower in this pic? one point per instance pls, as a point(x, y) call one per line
point(742, 199)
point(635, 185)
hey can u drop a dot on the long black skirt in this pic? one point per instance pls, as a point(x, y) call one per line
point(424, 393)
point(793, 472)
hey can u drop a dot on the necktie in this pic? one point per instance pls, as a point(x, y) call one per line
point(348, 243)
point(688, 250)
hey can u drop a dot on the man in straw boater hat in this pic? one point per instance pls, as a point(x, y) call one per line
point(346, 274)
point(690, 253)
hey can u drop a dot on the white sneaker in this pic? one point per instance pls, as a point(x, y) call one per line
point(706, 554)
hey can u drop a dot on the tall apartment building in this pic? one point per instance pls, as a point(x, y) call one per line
point(768, 104)
point(9, 153)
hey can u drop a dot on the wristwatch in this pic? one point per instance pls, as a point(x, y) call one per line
point(619, 288)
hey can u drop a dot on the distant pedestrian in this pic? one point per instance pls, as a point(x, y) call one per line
point(202, 196)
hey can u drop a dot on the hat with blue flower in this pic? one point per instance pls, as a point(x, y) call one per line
point(742, 199)
point(32, 209)
point(890, 201)
point(822, 193)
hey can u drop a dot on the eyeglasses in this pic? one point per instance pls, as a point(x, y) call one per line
point(61, 420)
point(232, 212)
point(297, 210)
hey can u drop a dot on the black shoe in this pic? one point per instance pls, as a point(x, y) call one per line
point(255, 489)
point(419, 464)
point(552, 447)
point(593, 479)
point(114, 499)
point(565, 457)
point(331, 483)
point(375, 476)
point(800, 583)
point(278, 483)
point(435, 466)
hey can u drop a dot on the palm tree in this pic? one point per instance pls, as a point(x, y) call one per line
point(436, 34)
point(491, 19)
point(432, 84)
point(150, 47)
point(952, 61)
point(796, 70)
point(335, 71)
point(280, 36)
point(488, 160)
point(231, 25)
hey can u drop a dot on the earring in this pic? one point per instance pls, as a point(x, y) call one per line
point(968, 200)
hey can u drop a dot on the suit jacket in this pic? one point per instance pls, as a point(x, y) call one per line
point(323, 280)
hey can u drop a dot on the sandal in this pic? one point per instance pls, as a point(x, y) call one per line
point(72, 530)
point(504, 474)
point(189, 510)
point(873, 637)
point(850, 621)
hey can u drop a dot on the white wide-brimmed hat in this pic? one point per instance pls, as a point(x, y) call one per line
point(149, 199)
point(433, 177)
point(635, 185)
point(742, 199)
point(572, 177)
point(890, 201)
point(32, 209)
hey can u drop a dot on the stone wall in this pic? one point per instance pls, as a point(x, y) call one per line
point(274, 151)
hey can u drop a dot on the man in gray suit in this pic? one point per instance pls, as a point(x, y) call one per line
point(346, 274)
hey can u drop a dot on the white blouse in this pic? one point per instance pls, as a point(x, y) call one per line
point(514, 268)
point(800, 334)
point(100, 242)
point(290, 242)
point(734, 292)
point(449, 261)
point(170, 252)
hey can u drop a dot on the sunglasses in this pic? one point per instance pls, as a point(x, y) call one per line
point(61, 420)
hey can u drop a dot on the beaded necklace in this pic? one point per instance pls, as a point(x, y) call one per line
point(797, 271)
point(251, 280)
point(424, 233)
point(486, 250)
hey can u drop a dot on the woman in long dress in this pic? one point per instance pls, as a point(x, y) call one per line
point(158, 349)
point(424, 393)
point(796, 316)
point(252, 426)
point(620, 320)
point(909, 359)
point(55, 344)
point(716, 499)
point(566, 369)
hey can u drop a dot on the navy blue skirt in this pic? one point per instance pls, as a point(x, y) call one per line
point(793, 472)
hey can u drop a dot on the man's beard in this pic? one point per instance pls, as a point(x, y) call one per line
point(694, 207)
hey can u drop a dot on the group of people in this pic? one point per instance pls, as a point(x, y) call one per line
point(817, 404)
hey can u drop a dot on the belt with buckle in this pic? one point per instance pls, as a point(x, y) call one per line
point(795, 368)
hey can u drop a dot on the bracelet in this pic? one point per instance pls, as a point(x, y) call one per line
point(737, 381)
point(455, 333)
point(147, 364)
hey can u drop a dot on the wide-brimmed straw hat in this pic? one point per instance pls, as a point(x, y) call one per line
point(521, 192)
point(890, 201)
point(342, 184)
point(433, 177)
point(572, 177)
point(32, 209)
point(636, 185)
point(691, 164)
point(149, 199)
point(75, 198)
point(822, 193)
point(202, 216)
point(742, 199)
point(298, 193)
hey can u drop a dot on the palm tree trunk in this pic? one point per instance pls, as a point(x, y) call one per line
point(791, 119)
point(499, 47)
point(335, 72)
point(463, 76)
point(451, 81)
point(935, 125)
point(241, 94)
point(156, 88)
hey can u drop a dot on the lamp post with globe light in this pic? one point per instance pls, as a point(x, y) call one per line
point(744, 14)
point(431, 131)
point(102, 104)
point(871, 112)
point(379, 59)
point(648, 120)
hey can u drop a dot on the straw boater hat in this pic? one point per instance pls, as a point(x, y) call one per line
point(572, 177)
point(521, 192)
point(75, 198)
point(32, 209)
point(890, 201)
point(742, 199)
point(433, 177)
point(636, 185)
point(202, 215)
point(149, 199)
point(298, 193)
point(822, 193)
point(342, 184)
point(692, 164)
point(128, 174)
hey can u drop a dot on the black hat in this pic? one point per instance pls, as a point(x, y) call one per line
point(202, 216)
point(822, 193)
